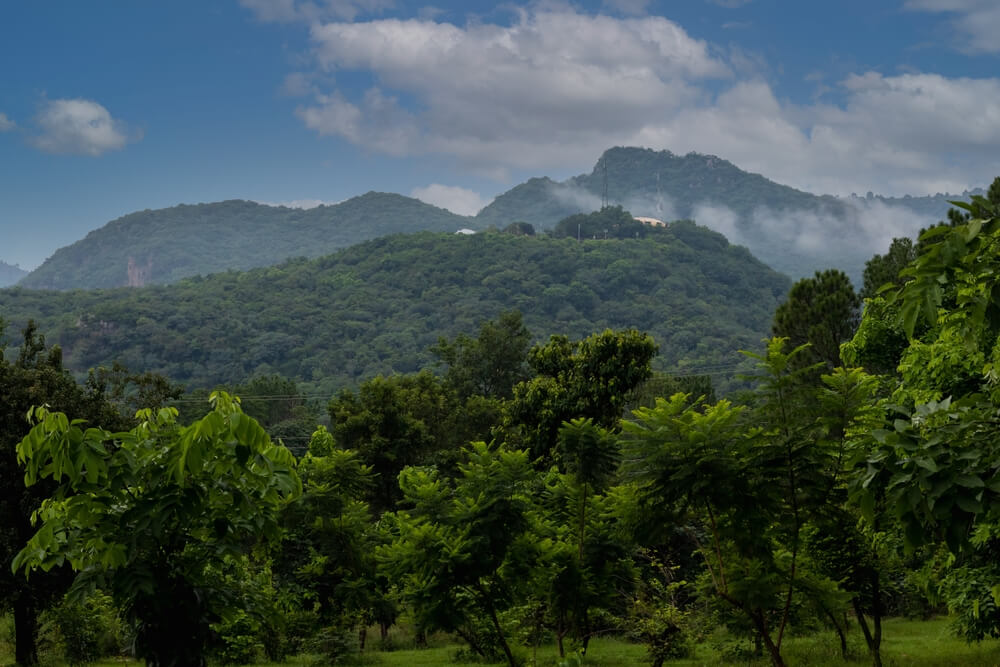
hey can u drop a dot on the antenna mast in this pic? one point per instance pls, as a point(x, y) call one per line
point(604, 199)
point(659, 198)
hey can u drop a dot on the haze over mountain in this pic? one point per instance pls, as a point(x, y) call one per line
point(377, 307)
point(794, 232)
point(10, 274)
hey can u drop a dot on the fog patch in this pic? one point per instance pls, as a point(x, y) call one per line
point(719, 218)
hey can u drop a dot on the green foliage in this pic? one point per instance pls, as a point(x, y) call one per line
point(399, 421)
point(612, 222)
point(519, 228)
point(461, 553)
point(230, 235)
point(86, 630)
point(882, 270)
point(823, 311)
point(379, 307)
point(591, 378)
point(754, 479)
point(153, 514)
point(490, 364)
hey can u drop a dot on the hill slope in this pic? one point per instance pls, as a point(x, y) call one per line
point(10, 274)
point(378, 307)
point(165, 245)
point(793, 231)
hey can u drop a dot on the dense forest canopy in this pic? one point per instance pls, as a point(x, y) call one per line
point(380, 306)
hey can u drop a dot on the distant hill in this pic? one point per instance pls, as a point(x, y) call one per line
point(377, 307)
point(793, 231)
point(10, 274)
point(165, 245)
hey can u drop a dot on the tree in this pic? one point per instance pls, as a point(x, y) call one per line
point(589, 378)
point(154, 514)
point(751, 484)
point(463, 552)
point(490, 364)
point(589, 565)
point(37, 377)
point(884, 269)
point(823, 311)
point(936, 461)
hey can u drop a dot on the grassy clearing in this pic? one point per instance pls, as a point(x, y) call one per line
point(906, 644)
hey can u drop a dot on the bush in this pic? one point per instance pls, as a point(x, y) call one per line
point(85, 631)
point(238, 640)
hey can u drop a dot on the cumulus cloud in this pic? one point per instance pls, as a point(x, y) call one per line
point(80, 127)
point(554, 81)
point(555, 86)
point(6, 124)
point(976, 22)
point(456, 199)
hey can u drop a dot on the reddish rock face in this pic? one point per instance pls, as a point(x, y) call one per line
point(139, 275)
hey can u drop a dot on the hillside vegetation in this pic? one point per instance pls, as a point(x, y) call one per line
point(377, 307)
point(168, 244)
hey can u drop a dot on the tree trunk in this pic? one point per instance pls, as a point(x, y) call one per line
point(487, 602)
point(25, 629)
point(840, 633)
point(773, 649)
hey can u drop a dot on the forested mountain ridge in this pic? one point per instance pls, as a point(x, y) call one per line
point(379, 306)
point(162, 246)
point(793, 231)
point(9, 274)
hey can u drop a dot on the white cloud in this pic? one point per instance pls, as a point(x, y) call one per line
point(6, 124)
point(457, 200)
point(79, 127)
point(556, 87)
point(977, 22)
point(288, 11)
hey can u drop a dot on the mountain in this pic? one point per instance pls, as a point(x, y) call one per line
point(10, 274)
point(793, 231)
point(377, 307)
point(165, 245)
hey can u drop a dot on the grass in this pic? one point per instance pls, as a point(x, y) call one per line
point(906, 643)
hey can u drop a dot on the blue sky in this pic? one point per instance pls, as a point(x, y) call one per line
point(111, 107)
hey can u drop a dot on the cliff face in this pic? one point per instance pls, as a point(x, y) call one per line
point(138, 275)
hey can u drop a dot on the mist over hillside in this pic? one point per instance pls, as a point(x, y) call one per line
point(10, 274)
point(794, 232)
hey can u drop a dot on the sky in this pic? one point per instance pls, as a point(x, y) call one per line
point(112, 107)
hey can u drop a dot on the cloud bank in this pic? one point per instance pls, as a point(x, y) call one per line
point(555, 86)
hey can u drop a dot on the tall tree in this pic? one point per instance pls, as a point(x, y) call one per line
point(154, 514)
point(490, 364)
point(590, 378)
point(881, 270)
point(35, 377)
point(823, 311)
